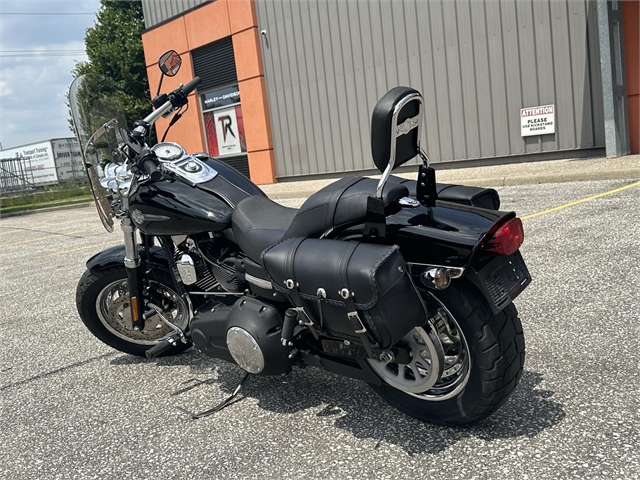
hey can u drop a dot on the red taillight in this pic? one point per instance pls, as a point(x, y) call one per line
point(506, 239)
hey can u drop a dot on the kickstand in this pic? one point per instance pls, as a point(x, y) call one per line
point(225, 403)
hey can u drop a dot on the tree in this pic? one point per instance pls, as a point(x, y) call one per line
point(114, 48)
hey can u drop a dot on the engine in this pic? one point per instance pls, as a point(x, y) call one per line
point(207, 264)
point(247, 333)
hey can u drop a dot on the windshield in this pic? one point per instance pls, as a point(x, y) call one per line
point(97, 118)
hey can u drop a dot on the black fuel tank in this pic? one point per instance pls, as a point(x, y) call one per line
point(171, 207)
point(229, 185)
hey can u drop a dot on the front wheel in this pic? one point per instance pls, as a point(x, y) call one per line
point(102, 299)
point(465, 362)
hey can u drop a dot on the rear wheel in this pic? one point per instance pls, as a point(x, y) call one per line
point(465, 362)
point(103, 304)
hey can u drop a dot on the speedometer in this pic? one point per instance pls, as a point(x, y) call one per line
point(168, 151)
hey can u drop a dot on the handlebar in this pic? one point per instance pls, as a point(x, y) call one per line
point(150, 168)
point(191, 86)
point(176, 99)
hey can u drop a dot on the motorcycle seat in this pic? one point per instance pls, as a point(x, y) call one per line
point(259, 222)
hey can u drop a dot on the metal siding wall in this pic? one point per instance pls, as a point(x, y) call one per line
point(327, 62)
point(157, 11)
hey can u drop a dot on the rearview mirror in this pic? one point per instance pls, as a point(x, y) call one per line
point(170, 62)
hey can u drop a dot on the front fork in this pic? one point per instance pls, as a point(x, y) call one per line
point(134, 275)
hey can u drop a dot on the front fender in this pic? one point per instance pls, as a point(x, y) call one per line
point(114, 257)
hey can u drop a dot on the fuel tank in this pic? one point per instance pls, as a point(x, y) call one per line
point(172, 207)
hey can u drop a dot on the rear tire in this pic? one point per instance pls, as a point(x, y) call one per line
point(102, 303)
point(496, 356)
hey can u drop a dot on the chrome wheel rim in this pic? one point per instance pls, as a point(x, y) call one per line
point(114, 312)
point(446, 338)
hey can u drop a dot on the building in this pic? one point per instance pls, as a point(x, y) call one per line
point(42, 163)
point(297, 80)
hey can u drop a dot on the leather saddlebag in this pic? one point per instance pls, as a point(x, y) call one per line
point(351, 290)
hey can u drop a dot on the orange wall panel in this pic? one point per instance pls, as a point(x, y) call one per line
point(246, 49)
point(170, 36)
point(200, 27)
point(262, 167)
point(630, 27)
point(253, 97)
point(207, 24)
point(187, 131)
point(242, 15)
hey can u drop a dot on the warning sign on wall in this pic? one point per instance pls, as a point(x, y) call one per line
point(537, 120)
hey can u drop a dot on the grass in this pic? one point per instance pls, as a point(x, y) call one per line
point(65, 194)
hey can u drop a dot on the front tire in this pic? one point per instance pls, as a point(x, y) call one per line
point(103, 304)
point(494, 363)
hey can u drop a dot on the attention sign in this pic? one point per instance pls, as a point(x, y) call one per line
point(537, 120)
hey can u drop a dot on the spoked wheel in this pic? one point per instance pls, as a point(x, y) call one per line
point(465, 362)
point(103, 303)
point(440, 359)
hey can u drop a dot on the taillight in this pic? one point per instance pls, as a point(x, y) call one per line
point(506, 239)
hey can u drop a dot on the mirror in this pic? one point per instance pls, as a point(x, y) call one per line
point(170, 62)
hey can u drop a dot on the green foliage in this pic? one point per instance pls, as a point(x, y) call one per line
point(67, 192)
point(114, 48)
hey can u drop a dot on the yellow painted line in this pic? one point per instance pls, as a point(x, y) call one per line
point(76, 249)
point(40, 227)
point(582, 200)
point(50, 236)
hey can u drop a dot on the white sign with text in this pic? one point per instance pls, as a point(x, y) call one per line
point(537, 120)
point(227, 131)
point(38, 163)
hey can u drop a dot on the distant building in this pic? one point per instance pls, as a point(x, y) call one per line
point(43, 163)
point(288, 86)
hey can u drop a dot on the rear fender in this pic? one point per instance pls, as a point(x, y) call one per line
point(447, 234)
point(451, 235)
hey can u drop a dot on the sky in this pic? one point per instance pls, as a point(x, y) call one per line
point(37, 54)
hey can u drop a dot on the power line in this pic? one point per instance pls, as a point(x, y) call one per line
point(41, 53)
point(45, 13)
point(42, 56)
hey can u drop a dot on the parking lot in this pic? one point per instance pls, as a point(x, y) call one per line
point(72, 407)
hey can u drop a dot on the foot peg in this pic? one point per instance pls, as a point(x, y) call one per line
point(163, 346)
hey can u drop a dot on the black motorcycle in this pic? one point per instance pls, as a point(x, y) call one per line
point(405, 285)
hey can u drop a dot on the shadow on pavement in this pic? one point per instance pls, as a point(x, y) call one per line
point(351, 405)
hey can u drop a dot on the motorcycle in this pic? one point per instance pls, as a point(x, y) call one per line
point(406, 285)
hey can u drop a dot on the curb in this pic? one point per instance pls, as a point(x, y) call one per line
point(47, 209)
point(505, 181)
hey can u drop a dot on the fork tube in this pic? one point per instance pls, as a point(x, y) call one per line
point(134, 276)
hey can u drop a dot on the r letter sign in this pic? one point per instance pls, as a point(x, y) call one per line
point(537, 120)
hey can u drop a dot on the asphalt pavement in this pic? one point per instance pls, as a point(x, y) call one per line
point(72, 407)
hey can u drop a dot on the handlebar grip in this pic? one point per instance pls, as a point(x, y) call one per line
point(150, 167)
point(191, 86)
point(158, 349)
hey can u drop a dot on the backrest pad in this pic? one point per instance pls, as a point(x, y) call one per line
point(395, 127)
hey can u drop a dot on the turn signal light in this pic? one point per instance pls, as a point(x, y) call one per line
point(436, 278)
point(506, 239)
